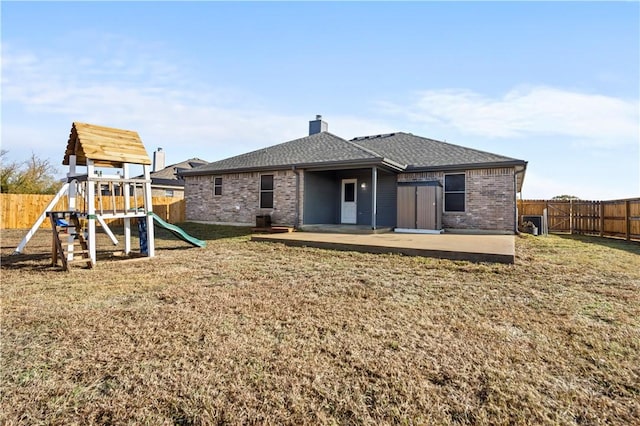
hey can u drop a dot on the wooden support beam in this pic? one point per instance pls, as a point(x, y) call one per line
point(127, 206)
point(374, 195)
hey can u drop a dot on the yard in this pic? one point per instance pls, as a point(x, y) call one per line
point(248, 332)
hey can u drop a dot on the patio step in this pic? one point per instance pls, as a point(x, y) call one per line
point(345, 229)
point(272, 229)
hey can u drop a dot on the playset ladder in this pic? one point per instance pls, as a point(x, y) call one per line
point(67, 233)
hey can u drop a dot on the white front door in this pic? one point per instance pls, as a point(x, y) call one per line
point(349, 204)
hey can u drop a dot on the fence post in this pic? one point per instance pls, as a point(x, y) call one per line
point(601, 218)
point(571, 217)
point(627, 219)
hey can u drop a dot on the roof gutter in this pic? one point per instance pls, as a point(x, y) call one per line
point(297, 215)
point(467, 166)
point(515, 196)
point(318, 165)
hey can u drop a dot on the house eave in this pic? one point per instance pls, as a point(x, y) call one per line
point(173, 187)
point(466, 166)
point(174, 183)
point(326, 165)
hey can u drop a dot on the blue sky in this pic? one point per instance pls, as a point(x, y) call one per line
point(556, 84)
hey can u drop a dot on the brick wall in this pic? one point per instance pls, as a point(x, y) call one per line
point(178, 194)
point(240, 199)
point(161, 192)
point(489, 199)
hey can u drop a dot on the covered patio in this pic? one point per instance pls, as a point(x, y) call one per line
point(350, 195)
point(474, 248)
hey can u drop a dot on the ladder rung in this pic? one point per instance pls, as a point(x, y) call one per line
point(79, 252)
point(83, 260)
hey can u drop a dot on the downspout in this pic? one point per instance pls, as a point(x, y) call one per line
point(297, 215)
point(515, 199)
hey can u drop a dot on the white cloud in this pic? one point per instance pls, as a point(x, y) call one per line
point(147, 96)
point(166, 108)
point(597, 120)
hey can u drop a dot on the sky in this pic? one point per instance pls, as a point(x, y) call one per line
point(556, 84)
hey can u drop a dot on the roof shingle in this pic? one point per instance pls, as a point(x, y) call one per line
point(318, 148)
point(400, 151)
point(418, 152)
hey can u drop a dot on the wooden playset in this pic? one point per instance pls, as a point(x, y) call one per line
point(94, 196)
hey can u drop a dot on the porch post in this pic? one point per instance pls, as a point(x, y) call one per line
point(374, 196)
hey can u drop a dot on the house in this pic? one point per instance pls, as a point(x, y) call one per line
point(167, 181)
point(396, 180)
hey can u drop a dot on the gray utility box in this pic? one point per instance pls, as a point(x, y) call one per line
point(263, 221)
point(536, 220)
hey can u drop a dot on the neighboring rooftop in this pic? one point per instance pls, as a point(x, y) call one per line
point(171, 175)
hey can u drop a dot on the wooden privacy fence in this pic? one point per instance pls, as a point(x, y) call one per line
point(20, 211)
point(614, 218)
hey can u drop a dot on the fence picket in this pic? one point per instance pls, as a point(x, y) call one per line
point(611, 218)
point(20, 211)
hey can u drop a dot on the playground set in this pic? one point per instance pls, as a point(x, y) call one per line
point(93, 196)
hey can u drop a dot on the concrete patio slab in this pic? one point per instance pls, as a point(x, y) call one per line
point(475, 248)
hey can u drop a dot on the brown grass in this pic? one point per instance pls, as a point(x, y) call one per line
point(246, 332)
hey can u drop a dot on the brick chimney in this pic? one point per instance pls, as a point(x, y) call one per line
point(317, 126)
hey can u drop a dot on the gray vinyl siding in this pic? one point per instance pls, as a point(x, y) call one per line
point(323, 192)
point(387, 190)
point(321, 198)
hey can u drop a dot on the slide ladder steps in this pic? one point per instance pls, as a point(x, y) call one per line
point(65, 224)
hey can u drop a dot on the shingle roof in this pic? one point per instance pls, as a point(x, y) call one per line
point(170, 175)
point(317, 149)
point(422, 153)
point(169, 172)
point(399, 151)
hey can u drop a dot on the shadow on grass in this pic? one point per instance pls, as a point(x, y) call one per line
point(212, 232)
point(42, 260)
point(612, 243)
point(197, 230)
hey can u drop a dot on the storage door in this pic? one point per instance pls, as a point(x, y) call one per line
point(406, 197)
point(426, 207)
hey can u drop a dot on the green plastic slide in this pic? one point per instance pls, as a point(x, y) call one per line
point(178, 232)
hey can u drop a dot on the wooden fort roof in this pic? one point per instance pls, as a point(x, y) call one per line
point(105, 146)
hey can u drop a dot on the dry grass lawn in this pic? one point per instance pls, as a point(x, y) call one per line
point(244, 332)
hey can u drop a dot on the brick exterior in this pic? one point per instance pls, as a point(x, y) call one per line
point(240, 199)
point(489, 199)
point(178, 194)
point(162, 192)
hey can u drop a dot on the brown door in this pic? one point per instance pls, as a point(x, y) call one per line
point(426, 207)
point(406, 207)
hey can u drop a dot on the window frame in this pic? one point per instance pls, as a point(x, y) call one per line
point(263, 191)
point(452, 192)
point(217, 186)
